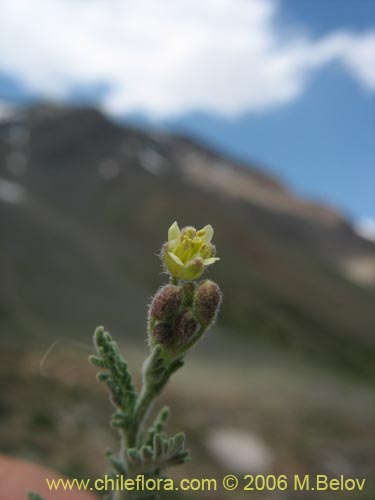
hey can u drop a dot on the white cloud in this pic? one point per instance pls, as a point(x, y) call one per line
point(168, 57)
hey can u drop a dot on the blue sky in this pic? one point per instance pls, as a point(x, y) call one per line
point(287, 84)
point(322, 144)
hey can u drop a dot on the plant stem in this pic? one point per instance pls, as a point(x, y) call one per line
point(152, 385)
point(145, 399)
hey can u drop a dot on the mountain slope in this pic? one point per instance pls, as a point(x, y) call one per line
point(84, 204)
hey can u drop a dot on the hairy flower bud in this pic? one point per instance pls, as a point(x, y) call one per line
point(163, 334)
point(207, 302)
point(166, 302)
point(185, 327)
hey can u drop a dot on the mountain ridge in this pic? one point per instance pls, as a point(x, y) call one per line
point(95, 200)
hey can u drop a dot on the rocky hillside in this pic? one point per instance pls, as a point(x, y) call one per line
point(83, 207)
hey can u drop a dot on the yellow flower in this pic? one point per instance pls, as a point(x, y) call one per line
point(188, 251)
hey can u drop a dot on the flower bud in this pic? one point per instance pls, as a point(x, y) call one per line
point(163, 334)
point(185, 327)
point(166, 302)
point(207, 302)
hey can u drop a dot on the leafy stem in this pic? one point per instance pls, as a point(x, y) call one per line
point(155, 375)
point(142, 451)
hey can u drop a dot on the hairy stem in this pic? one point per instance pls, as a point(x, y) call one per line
point(152, 385)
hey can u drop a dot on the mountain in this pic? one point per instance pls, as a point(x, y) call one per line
point(85, 205)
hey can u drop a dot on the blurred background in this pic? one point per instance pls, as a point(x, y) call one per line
point(118, 117)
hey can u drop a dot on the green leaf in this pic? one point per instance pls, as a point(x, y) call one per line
point(158, 426)
point(117, 377)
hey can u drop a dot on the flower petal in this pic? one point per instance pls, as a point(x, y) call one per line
point(211, 260)
point(174, 233)
point(176, 259)
point(193, 270)
point(206, 233)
